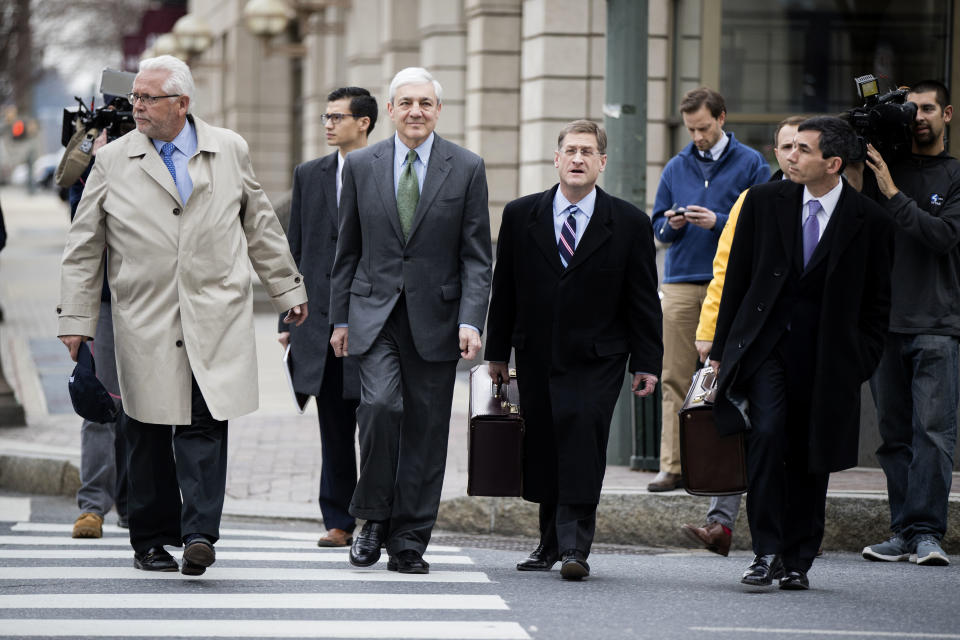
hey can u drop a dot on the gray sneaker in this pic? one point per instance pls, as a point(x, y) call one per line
point(893, 550)
point(929, 552)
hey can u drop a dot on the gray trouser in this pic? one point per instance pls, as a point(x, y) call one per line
point(103, 472)
point(724, 509)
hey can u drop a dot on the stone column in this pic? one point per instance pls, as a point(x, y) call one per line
point(561, 79)
point(493, 96)
point(443, 39)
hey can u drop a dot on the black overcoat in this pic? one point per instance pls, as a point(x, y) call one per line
point(312, 234)
point(854, 311)
point(573, 331)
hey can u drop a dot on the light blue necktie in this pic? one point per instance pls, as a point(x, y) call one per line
point(167, 152)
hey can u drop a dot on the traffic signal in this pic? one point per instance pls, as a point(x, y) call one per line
point(19, 130)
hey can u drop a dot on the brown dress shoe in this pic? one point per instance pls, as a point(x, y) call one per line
point(335, 538)
point(666, 481)
point(712, 536)
point(88, 525)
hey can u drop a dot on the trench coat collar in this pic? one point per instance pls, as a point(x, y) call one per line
point(152, 164)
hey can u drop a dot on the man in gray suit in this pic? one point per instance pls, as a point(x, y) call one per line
point(410, 287)
point(312, 233)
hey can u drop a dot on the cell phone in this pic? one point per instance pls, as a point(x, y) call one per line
point(680, 211)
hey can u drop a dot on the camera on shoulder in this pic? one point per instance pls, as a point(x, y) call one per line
point(884, 120)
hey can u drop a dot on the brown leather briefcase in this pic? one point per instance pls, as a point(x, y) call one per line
point(712, 465)
point(495, 443)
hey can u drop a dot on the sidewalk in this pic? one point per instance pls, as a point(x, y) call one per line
point(274, 464)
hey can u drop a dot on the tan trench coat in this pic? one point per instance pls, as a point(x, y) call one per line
point(179, 279)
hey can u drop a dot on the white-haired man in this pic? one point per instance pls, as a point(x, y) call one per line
point(179, 209)
point(409, 288)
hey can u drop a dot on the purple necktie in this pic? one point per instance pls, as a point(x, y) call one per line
point(811, 230)
point(568, 236)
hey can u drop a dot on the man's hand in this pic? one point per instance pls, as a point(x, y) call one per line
point(703, 348)
point(643, 384)
point(701, 216)
point(469, 343)
point(716, 366)
point(499, 372)
point(283, 338)
point(338, 340)
point(297, 315)
point(674, 219)
point(99, 142)
point(73, 344)
point(882, 171)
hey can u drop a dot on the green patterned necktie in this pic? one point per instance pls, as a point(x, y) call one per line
point(408, 194)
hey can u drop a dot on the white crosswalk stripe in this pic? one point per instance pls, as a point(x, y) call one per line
point(258, 572)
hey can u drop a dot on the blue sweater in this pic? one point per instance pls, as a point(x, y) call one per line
point(715, 185)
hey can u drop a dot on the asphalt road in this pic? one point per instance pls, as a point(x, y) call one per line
point(270, 580)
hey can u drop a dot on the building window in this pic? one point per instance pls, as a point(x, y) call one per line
point(786, 57)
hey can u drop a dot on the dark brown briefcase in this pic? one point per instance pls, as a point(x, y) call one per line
point(713, 465)
point(495, 443)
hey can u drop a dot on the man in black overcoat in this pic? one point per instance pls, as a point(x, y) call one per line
point(350, 117)
point(575, 295)
point(801, 326)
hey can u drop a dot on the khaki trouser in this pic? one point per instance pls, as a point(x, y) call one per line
point(681, 313)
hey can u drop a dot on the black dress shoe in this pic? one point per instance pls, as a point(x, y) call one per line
point(540, 560)
point(794, 580)
point(365, 550)
point(574, 566)
point(154, 559)
point(763, 571)
point(197, 556)
point(408, 561)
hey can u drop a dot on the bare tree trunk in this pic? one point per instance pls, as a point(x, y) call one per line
point(23, 67)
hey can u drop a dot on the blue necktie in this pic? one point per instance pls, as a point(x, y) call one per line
point(568, 236)
point(167, 152)
point(811, 231)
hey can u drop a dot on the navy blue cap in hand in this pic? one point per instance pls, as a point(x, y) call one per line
point(90, 399)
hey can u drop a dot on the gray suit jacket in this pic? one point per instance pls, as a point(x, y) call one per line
point(443, 269)
point(312, 235)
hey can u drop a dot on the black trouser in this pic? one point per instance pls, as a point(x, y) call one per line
point(338, 427)
point(785, 502)
point(404, 423)
point(566, 527)
point(165, 462)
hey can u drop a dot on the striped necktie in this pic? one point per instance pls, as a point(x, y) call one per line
point(408, 194)
point(568, 236)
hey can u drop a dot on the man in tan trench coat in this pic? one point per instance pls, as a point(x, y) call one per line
point(179, 211)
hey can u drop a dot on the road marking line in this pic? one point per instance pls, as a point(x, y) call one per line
point(829, 632)
point(430, 630)
point(122, 541)
point(15, 508)
point(236, 573)
point(271, 556)
point(433, 630)
point(251, 601)
point(53, 527)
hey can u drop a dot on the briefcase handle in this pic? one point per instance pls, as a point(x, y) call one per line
point(498, 393)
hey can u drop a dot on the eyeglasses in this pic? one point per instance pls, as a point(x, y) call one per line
point(336, 118)
point(585, 152)
point(148, 100)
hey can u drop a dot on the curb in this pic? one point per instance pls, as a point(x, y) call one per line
point(854, 519)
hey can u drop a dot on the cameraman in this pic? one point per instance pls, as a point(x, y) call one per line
point(915, 387)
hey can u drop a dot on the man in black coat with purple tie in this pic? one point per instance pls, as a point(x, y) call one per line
point(801, 326)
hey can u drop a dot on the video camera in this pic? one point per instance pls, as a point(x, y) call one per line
point(116, 116)
point(82, 126)
point(885, 121)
